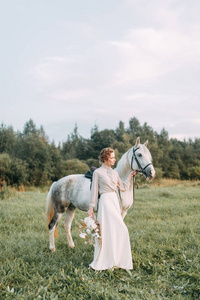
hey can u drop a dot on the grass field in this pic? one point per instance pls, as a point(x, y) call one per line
point(164, 227)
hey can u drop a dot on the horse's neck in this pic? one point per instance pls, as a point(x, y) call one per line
point(123, 166)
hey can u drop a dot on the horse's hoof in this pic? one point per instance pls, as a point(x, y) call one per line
point(52, 249)
point(72, 246)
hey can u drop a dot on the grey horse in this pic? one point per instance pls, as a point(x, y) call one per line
point(73, 191)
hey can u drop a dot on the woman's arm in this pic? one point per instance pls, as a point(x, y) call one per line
point(94, 194)
point(90, 211)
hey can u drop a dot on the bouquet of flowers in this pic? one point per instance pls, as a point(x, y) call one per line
point(90, 230)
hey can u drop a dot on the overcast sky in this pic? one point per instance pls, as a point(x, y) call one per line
point(96, 62)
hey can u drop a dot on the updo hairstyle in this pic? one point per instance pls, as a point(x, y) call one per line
point(105, 154)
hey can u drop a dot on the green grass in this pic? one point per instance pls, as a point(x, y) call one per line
point(164, 227)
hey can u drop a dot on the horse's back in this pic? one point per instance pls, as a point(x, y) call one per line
point(72, 189)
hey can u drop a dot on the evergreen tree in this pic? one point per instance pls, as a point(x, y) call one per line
point(28, 157)
point(7, 139)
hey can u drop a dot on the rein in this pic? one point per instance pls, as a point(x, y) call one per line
point(142, 170)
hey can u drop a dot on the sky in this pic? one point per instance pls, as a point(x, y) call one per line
point(95, 63)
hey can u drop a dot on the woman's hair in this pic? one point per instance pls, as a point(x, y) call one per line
point(104, 154)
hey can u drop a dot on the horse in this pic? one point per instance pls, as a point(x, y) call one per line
point(73, 191)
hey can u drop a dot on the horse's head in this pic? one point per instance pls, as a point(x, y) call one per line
point(141, 160)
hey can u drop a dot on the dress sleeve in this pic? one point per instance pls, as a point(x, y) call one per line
point(94, 190)
point(123, 186)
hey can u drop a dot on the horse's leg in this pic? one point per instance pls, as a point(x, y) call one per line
point(69, 215)
point(52, 226)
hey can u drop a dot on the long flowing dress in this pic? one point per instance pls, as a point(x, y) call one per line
point(114, 250)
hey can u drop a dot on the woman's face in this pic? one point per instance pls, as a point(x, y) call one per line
point(111, 160)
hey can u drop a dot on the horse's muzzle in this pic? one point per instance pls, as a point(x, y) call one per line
point(150, 174)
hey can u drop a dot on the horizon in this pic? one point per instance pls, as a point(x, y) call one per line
point(38, 126)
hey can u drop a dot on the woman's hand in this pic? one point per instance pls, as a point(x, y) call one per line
point(133, 173)
point(90, 212)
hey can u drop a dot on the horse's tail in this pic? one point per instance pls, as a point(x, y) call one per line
point(50, 210)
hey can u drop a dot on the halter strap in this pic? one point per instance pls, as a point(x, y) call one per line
point(142, 170)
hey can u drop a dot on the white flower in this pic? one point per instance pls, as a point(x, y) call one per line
point(83, 235)
point(90, 223)
point(88, 231)
point(94, 226)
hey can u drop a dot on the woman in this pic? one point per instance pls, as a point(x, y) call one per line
point(115, 250)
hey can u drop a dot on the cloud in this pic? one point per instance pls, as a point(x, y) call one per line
point(148, 68)
point(141, 55)
point(148, 53)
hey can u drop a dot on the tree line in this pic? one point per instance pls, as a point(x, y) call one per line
point(28, 158)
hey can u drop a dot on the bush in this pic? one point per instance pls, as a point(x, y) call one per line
point(5, 167)
point(92, 162)
point(159, 173)
point(75, 166)
point(13, 170)
point(173, 171)
point(185, 174)
point(194, 173)
point(19, 172)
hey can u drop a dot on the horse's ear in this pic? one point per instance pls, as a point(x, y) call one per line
point(137, 142)
point(146, 143)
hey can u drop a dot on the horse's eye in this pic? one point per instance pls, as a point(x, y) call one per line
point(140, 155)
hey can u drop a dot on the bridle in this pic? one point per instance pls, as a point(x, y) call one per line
point(142, 170)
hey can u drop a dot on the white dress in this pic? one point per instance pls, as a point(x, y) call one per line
point(115, 250)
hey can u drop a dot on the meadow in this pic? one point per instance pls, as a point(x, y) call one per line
point(164, 227)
